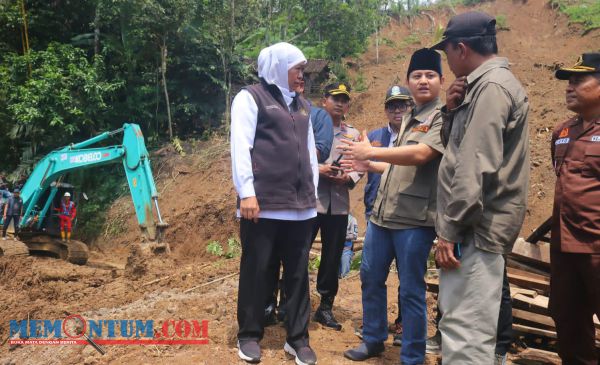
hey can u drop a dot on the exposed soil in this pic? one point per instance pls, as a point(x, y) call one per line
point(198, 201)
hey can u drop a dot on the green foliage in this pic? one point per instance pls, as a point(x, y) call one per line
point(438, 34)
point(356, 261)
point(501, 22)
point(234, 249)
point(411, 39)
point(214, 248)
point(313, 264)
point(62, 97)
point(585, 12)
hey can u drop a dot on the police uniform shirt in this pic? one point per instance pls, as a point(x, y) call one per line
point(576, 213)
point(335, 198)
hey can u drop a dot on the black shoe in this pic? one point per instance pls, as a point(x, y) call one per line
point(270, 315)
point(326, 318)
point(304, 355)
point(364, 351)
point(249, 351)
point(281, 313)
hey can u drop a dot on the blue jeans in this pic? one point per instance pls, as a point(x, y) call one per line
point(346, 261)
point(411, 249)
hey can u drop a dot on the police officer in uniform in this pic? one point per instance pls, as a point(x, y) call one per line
point(333, 204)
point(575, 241)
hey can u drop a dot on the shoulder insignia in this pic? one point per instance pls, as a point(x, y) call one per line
point(564, 133)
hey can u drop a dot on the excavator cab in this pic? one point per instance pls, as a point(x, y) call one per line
point(51, 224)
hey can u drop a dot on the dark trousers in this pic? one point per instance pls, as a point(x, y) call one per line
point(333, 236)
point(15, 219)
point(261, 241)
point(574, 299)
point(504, 336)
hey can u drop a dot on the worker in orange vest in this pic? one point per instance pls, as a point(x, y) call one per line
point(67, 213)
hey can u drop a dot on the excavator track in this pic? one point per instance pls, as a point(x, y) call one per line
point(12, 247)
point(75, 252)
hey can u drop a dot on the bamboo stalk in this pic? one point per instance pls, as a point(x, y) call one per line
point(210, 282)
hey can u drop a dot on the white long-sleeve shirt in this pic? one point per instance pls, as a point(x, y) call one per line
point(244, 116)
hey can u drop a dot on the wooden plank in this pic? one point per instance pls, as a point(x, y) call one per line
point(534, 331)
point(528, 282)
point(544, 333)
point(538, 253)
point(533, 356)
point(512, 270)
point(514, 290)
point(514, 263)
point(533, 317)
point(538, 305)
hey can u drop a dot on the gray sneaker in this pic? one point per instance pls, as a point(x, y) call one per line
point(500, 359)
point(434, 344)
point(304, 355)
point(249, 351)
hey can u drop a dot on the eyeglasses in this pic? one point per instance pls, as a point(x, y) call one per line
point(396, 106)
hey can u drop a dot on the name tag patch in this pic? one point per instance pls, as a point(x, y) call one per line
point(595, 138)
point(562, 141)
point(269, 107)
point(421, 128)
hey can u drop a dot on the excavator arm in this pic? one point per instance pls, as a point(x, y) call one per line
point(136, 162)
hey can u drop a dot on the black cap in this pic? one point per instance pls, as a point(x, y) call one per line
point(469, 24)
point(588, 63)
point(425, 59)
point(397, 93)
point(337, 88)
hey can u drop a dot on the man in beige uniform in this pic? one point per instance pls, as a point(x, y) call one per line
point(482, 186)
point(333, 203)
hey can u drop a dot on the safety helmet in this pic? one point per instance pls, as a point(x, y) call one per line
point(68, 194)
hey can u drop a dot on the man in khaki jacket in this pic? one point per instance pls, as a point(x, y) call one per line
point(401, 226)
point(482, 186)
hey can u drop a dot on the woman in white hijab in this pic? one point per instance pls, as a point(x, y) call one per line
point(275, 173)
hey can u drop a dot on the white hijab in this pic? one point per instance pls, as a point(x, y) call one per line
point(274, 63)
